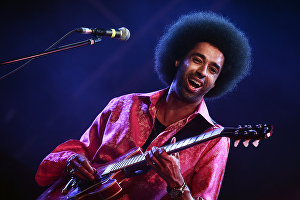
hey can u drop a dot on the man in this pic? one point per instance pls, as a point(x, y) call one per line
point(201, 55)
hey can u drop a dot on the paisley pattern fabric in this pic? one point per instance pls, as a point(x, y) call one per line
point(125, 123)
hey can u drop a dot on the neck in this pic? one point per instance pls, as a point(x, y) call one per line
point(171, 109)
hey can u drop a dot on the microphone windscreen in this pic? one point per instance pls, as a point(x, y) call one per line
point(125, 33)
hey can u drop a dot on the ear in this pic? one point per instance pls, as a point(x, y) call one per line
point(177, 63)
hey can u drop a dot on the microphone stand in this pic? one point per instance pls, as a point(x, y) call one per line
point(62, 48)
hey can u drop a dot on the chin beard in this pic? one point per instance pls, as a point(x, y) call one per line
point(184, 95)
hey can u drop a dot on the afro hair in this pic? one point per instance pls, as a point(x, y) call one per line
point(209, 27)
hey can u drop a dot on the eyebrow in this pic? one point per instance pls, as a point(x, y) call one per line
point(204, 58)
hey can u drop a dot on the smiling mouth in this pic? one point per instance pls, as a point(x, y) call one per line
point(195, 84)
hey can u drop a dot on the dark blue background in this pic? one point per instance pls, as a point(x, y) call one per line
point(56, 97)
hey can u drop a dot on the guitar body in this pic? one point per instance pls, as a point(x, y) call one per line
point(106, 187)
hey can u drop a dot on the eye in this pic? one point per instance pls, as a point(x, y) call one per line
point(213, 70)
point(197, 60)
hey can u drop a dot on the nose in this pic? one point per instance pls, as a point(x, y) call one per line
point(202, 70)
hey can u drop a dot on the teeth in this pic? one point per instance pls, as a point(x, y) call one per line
point(195, 82)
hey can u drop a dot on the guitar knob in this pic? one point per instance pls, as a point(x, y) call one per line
point(236, 143)
point(255, 143)
point(246, 143)
point(259, 126)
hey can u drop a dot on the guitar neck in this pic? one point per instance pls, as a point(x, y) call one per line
point(171, 148)
point(189, 142)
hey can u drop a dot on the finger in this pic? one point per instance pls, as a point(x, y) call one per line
point(173, 140)
point(165, 156)
point(69, 167)
point(157, 160)
point(79, 175)
point(155, 152)
point(176, 155)
point(86, 164)
point(70, 161)
point(149, 161)
point(83, 171)
point(170, 158)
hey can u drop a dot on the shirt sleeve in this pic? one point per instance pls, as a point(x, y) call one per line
point(209, 171)
point(53, 165)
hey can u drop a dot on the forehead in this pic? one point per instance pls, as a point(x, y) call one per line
point(210, 52)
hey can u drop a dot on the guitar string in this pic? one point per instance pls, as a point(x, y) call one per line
point(180, 144)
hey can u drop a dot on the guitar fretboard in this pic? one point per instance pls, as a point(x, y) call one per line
point(171, 148)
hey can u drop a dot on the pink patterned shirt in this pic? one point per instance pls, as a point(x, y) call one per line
point(125, 123)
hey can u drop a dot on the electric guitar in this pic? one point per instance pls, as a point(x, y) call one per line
point(111, 175)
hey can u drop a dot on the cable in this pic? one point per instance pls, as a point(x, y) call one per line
point(22, 66)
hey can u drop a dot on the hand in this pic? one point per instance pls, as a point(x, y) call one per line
point(79, 166)
point(166, 166)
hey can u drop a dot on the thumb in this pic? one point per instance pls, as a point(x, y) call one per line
point(173, 141)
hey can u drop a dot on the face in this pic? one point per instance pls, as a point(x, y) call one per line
point(197, 72)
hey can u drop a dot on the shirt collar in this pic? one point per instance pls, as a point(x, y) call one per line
point(155, 96)
point(202, 110)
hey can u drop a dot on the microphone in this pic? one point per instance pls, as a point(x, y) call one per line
point(122, 33)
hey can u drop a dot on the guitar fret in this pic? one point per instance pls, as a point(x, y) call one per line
point(141, 158)
point(117, 166)
point(205, 136)
point(200, 137)
point(133, 160)
point(211, 134)
point(186, 142)
point(107, 169)
point(130, 160)
point(120, 164)
point(167, 147)
point(124, 163)
point(215, 132)
point(179, 144)
point(193, 139)
point(173, 146)
point(113, 168)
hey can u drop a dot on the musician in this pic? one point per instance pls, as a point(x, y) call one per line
point(200, 55)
